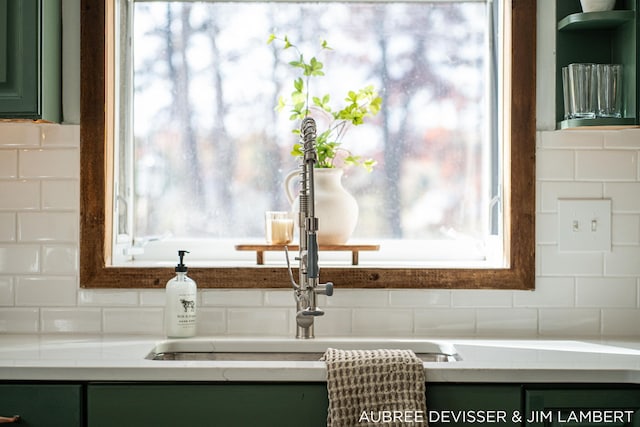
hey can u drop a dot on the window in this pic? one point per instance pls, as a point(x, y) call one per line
point(206, 144)
point(97, 269)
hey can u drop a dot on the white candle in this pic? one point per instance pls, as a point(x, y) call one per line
point(281, 231)
point(279, 227)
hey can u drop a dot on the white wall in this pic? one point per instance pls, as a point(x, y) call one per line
point(577, 294)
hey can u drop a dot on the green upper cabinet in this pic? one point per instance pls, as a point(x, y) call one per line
point(30, 60)
point(609, 37)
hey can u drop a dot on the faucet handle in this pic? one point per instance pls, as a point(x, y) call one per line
point(311, 311)
point(325, 289)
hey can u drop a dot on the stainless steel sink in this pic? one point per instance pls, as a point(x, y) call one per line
point(263, 349)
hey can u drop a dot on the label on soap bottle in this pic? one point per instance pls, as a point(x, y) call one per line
point(186, 310)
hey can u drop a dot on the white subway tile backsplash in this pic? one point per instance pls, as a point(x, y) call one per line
point(555, 165)
point(19, 135)
point(19, 320)
point(445, 322)
point(546, 228)
point(336, 322)
point(107, 298)
point(61, 195)
point(19, 259)
point(152, 298)
point(573, 139)
point(549, 292)
point(625, 196)
point(60, 136)
point(8, 164)
point(78, 320)
point(6, 292)
point(279, 298)
point(606, 292)
point(569, 323)
point(43, 291)
point(623, 139)
point(420, 298)
point(59, 259)
point(382, 322)
point(551, 191)
point(49, 163)
point(359, 298)
point(606, 165)
point(556, 263)
point(265, 321)
point(621, 322)
point(47, 226)
point(133, 320)
point(211, 321)
point(7, 227)
point(623, 261)
point(514, 322)
point(625, 229)
point(19, 195)
point(231, 298)
point(481, 298)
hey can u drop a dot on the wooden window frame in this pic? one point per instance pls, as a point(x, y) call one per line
point(95, 205)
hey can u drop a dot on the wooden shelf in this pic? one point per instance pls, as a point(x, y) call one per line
point(260, 249)
point(595, 20)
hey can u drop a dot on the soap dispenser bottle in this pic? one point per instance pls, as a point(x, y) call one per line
point(180, 308)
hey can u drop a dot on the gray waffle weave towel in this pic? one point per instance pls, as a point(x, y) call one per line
point(375, 388)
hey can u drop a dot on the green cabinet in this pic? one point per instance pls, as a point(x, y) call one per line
point(581, 406)
point(43, 405)
point(225, 404)
point(453, 405)
point(159, 404)
point(30, 59)
point(276, 404)
point(609, 37)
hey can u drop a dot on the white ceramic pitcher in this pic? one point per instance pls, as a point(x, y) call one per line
point(336, 209)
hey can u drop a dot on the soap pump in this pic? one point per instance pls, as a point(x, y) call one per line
point(180, 307)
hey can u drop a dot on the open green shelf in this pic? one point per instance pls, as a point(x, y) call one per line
point(608, 122)
point(595, 20)
point(609, 37)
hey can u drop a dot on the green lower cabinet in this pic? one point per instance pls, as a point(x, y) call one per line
point(598, 406)
point(43, 405)
point(195, 405)
point(280, 404)
point(453, 405)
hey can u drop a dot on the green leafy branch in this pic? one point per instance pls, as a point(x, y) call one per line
point(360, 104)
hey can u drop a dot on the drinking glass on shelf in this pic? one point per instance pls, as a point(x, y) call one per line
point(581, 91)
point(608, 90)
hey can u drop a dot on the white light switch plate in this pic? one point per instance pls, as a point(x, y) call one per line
point(584, 225)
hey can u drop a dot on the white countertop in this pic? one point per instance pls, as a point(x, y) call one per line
point(122, 358)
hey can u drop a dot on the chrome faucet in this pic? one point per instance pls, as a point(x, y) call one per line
point(309, 288)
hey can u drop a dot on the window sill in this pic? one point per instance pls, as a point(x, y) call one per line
point(393, 253)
